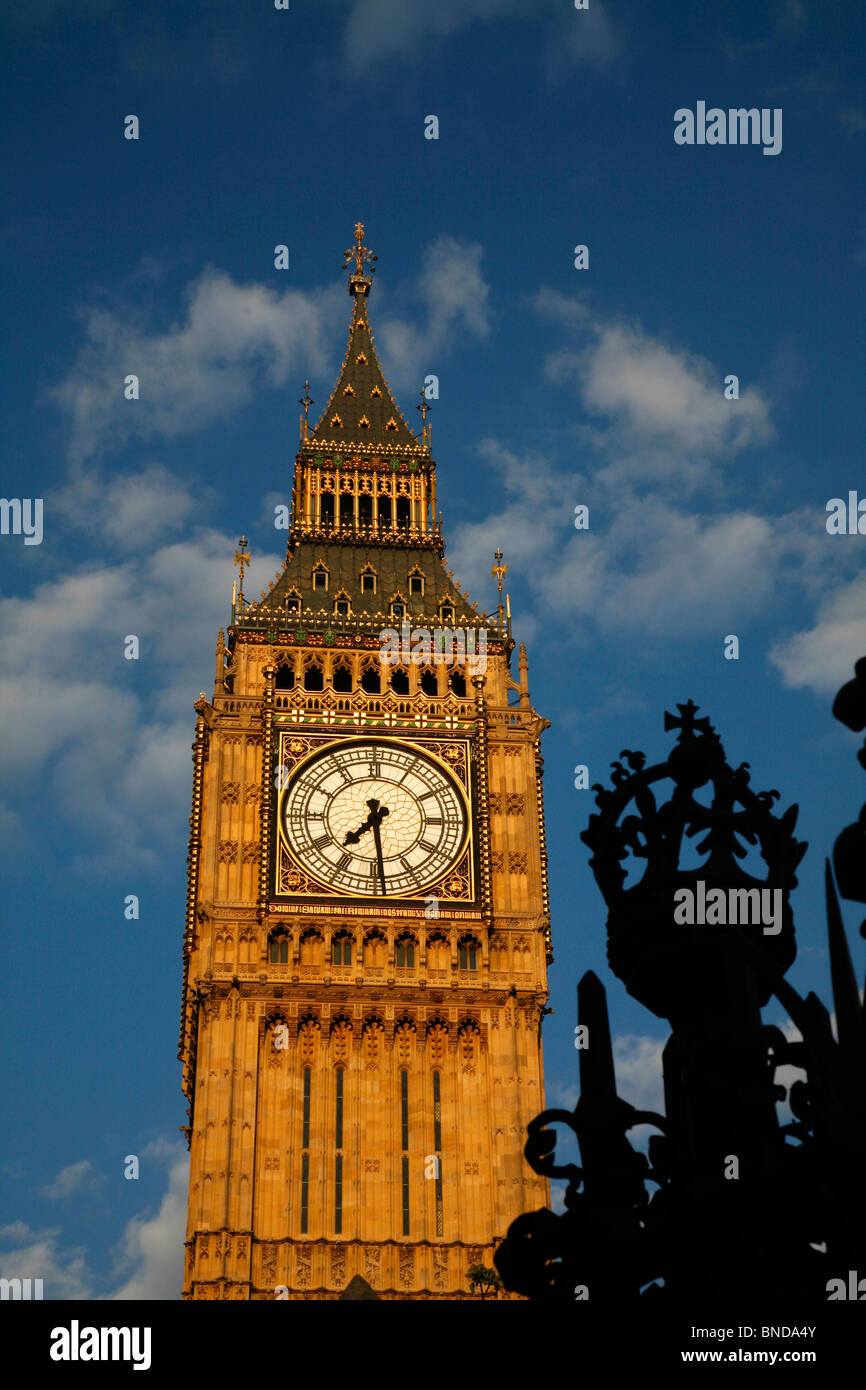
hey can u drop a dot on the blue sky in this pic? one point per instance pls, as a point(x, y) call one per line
point(557, 387)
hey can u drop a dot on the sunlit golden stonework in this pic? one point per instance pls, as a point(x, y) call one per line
point(367, 928)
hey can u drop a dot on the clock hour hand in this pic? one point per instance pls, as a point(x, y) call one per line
point(373, 821)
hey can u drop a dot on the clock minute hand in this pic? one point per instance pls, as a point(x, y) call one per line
point(376, 819)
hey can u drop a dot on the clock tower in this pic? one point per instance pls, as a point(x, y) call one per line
point(367, 927)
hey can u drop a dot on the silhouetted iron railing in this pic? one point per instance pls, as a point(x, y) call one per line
point(742, 1204)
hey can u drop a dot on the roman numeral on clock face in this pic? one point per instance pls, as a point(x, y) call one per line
point(321, 842)
point(344, 862)
point(430, 849)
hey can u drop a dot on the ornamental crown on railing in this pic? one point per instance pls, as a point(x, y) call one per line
point(656, 832)
point(718, 892)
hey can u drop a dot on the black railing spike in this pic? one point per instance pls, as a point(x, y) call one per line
point(846, 995)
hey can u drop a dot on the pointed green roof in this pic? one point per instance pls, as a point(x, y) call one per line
point(361, 409)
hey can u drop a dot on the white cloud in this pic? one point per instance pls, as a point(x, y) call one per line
point(228, 343)
point(73, 711)
point(652, 393)
point(822, 657)
point(626, 572)
point(533, 510)
point(379, 29)
point(230, 339)
point(455, 297)
point(667, 432)
point(152, 1247)
point(557, 1197)
point(623, 585)
point(638, 1064)
point(150, 1254)
point(75, 1177)
point(129, 511)
point(36, 1255)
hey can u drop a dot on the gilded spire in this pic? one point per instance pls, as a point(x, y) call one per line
point(497, 573)
point(242, 558)
point(306, 401)
point(361, 409)
point(424, 408)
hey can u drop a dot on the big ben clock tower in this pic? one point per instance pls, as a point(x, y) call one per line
point(367, 928)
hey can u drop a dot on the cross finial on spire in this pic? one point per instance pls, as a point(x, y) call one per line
point(306, 401)
point(498, 569)
point(242, 557)
point(497, 573)
point(364, 263)
point(424, 408)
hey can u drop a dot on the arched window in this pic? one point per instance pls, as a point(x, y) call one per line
point(429, 683)
point(305, 1156)
point(314, 678)
point(371, 681)
point(438, 953)
point(311, 948)
point(341, 949)
point(437, 1145)
point(285, 677)
point(404, 1144)
point(403, 512)
point(468, 954)
point(400, 682)
point(320, 574)
point(405, 952)
point(385, 513)
point(278, 949)
point(342, 680)
point(368, 580)
point(347, 510)
point(327, 510)
point(374, 950)
point(458, 683)
point(365, 513)
point(338, 1158)
point(293, 602)
point(498, 953)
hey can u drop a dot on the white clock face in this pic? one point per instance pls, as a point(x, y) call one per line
point(374, 819)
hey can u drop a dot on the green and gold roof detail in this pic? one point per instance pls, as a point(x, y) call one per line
point(361, 410)
point(361, 441)
point(391, 567)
